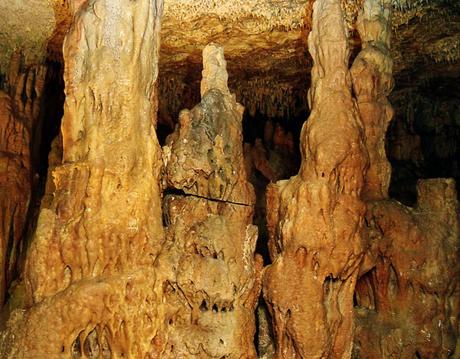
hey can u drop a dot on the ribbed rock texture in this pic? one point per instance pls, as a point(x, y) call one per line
point(212, 279)
point(19, 113)
point(316, 218)
point(407, 298)
point(89, 275)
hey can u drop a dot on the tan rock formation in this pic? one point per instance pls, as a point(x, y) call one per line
point(372, 82)
point(315, 219)
point(19, 112)
point(407, 297)
point(212, 280)
point(408, 304)
point(89, 273)
point(205, 155)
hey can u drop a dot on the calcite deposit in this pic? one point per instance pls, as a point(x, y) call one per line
point(133, 227)
point(408, 302)
point(372, 82)
point(89, 274)
point(19, 117)
point(407, 297)
point(316, 218)
point(212, 279)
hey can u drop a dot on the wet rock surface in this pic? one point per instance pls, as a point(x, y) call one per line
point(19, 117)
point(212, 277)
point(316, 218)
point(89, 277)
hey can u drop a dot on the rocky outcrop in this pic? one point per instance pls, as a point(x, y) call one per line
point(89, 274)
point(19, 113)
point(212, 280)
point(316, 218)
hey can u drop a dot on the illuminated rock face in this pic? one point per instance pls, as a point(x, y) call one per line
point(407, 298)
point(316, 218)
point(212, 280)
point(89, 274)
point(19, 112)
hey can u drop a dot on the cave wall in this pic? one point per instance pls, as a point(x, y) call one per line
point(422, 141)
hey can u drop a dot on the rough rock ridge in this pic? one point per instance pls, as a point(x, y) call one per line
point(212, 280)
point(89, 274)
point(316, 218)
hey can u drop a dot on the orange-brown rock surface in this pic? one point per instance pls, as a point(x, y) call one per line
point(205, 155)
point(316, 218)
point(408, 302)
point(407, 298)
point(212, 280)
point(19, 112)
point(372, 82)
point(89, 274)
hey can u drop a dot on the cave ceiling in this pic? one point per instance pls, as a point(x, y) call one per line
point(265, 43)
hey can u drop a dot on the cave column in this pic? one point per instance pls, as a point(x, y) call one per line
point(89, 275)
point(315, 219)
point(372, 83)
point(212, 278)
point(407, 296)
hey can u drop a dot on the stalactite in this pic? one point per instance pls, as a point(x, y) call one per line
point(316, 218)
point(19, 117)
point(212, 279)
point(89, 274)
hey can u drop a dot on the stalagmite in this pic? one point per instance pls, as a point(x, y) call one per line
point(316, 218)
point(407, 298)
point(19, 112)
point(89, 276)
point(372, 82)
point(212, 280)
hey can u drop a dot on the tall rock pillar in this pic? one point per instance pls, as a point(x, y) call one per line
point(407, 297)
point(372, 83)
point(212, 279)
point(316, 218)
point(89, 272)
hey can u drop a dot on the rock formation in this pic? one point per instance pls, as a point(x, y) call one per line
point(89, 274)
point(212, 278)
point(408, 301)
point(116, 247)
point(372, 82)
point(407, 297)
point(316, 218)
point(19, 112)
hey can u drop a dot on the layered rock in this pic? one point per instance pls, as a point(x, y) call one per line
point(89, 274)
point(19, 113)
point(316, 218)
point(212, 280)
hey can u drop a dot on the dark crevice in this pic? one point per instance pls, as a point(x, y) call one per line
point(182, 193)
